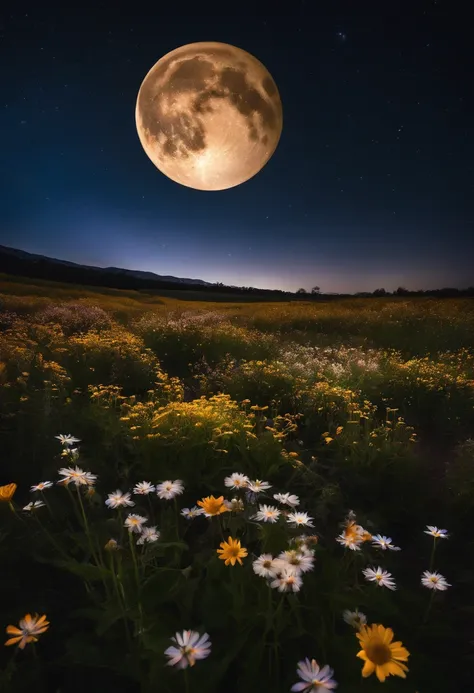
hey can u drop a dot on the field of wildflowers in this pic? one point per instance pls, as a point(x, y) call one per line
point(243, 496)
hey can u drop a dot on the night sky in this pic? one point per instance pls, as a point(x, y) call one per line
point(372, 183)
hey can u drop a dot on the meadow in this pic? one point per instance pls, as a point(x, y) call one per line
point(201, 495)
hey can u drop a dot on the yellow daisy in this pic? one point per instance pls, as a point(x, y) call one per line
point(213, 506)
point(231, 551)
point(380, 654)
point(29, 628)
point(7, 492)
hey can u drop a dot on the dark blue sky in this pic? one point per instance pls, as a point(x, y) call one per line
point(372, 183)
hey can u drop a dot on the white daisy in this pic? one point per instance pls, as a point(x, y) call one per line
point(381, 577)
point(258, 486)
point(436, 533)
point(67, 439)
point(287, 499)
point(191, 513)
point(236, 480)
point(356, 618)
point(266, 566)
point(134, 523)
point(143, 488)
point(287, 582)
point(191, 647)
point(384, 543)
point(350, 541)
point(295, 562)
point(314, 679)
point(76, 476)
point(41, 486)
point(119, 500)
point(300, 520)
point(149, 535)
point(168, 490)
point(434, 581)
point(35, 505)
point(267, 513)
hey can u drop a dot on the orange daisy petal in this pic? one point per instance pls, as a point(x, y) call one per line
point(368, 669)
point(13, 641)
point(396, 669)
point(13, 630)
point(38, 631)
point(400, 653)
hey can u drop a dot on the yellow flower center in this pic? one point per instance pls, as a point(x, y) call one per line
point(378, 652)
point(293, 558)
point(233, 550)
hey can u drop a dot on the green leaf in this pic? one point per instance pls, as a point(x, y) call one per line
point(89, 572)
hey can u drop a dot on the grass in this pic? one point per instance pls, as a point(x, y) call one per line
point(352, 405)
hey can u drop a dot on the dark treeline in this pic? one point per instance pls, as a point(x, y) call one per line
point(49, 269)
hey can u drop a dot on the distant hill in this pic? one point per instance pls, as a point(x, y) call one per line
point(11, 258)
point(29, 265)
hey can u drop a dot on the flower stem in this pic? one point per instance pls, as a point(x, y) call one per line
point(17, 515)
point(47, 504)
point(186, 681)
point(433, 550)
point(221, 528)
point(152, 514)
point(86, 528)
point(275, 638)
point(137, 578)
point(176, 518)
point(120, 597)
point(427, 613)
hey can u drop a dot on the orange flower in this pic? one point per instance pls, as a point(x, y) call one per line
point(355, 531)
point(213, 506)
point(7, 492)
point(380, 654)
point(29, 627)
point(231, 551)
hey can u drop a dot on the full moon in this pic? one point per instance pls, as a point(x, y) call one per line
point(209, 115)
